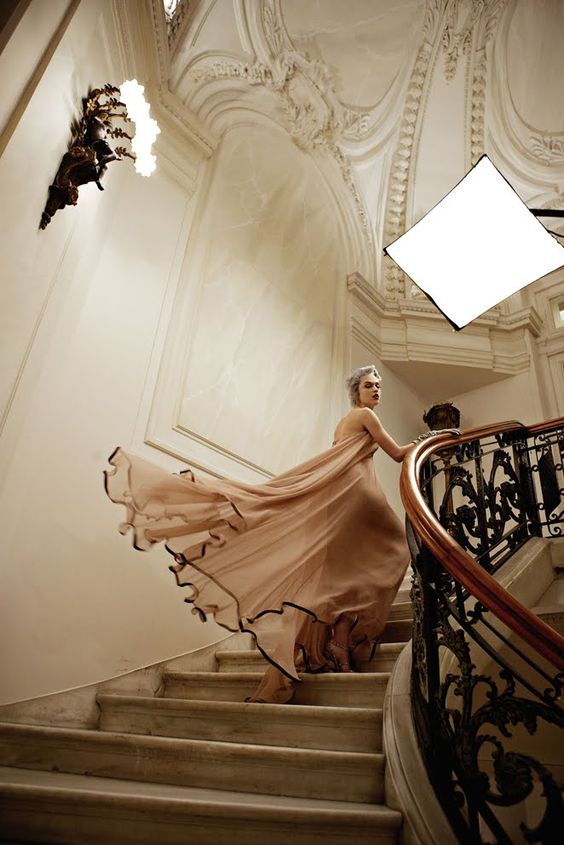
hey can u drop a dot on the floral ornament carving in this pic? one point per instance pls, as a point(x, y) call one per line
point(274, 29)
point(457, 42)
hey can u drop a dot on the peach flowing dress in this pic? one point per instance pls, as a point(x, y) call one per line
point(281, 560)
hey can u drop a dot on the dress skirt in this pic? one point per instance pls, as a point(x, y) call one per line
point(282, 560)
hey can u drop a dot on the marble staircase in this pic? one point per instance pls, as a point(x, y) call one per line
point(195, 763)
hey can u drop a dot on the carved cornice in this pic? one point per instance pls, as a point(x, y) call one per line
point(414, 330)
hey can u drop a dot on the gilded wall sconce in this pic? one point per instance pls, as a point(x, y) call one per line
point(89, 152)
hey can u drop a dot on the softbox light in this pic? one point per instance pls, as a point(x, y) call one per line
point(476, 247)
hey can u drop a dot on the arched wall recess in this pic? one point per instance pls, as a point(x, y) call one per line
point(257, 335)
point(223, 85)
point(282, 82)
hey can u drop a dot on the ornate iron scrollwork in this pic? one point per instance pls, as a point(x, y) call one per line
point(479, 697)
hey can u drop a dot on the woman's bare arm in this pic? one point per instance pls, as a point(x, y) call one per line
point(373, 425)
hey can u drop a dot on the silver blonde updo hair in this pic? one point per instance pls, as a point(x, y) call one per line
point(354, 380)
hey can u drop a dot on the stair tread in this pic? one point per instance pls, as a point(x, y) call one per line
point(276, 725)
point(12, 779)
point(165, 743)
point(352, 678)
point(311, 712)
point(254, 653)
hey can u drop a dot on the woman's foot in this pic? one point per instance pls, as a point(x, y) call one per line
point(339, 655)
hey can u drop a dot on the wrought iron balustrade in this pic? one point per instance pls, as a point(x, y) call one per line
point(486, 673)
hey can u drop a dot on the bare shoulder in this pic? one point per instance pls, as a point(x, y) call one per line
point(370, 416)
point(351, 423)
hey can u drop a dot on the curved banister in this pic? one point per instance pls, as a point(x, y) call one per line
point(456, 560)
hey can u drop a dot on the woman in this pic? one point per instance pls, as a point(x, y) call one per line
point(308, 562)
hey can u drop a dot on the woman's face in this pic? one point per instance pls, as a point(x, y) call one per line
point(369, 390)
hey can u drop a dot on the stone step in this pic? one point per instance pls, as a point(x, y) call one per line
point(295, 726)
point(302, 773)
point(331, 689)
point(251, 660)
point(400, 610)
point(398, 630)
point(69, 809)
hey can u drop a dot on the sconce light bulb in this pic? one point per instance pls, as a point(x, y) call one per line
point(146, 128)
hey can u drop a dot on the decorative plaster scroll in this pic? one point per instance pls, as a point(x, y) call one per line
point(548, 149)
point(275, 32)
point(535, 153)
point(457, 42)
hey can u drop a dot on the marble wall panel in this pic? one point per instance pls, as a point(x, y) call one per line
point(258, 379)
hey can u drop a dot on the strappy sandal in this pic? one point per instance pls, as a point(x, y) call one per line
point(335, 652)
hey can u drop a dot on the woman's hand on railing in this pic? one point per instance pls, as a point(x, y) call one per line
point(439, 431)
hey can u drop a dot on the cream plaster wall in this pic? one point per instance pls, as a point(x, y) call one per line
point(515, 398)
point(80, 309)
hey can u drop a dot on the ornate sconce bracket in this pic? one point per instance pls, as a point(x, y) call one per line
point(89, 152)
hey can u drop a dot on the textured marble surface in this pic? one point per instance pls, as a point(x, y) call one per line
point(258, 375)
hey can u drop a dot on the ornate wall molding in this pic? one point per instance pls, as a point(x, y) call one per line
point(458, 30)
point(402, 160)
point(484, 31)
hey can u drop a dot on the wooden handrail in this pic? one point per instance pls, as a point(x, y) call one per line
point(463, 568)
